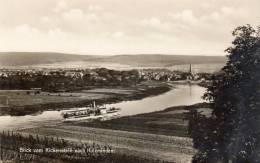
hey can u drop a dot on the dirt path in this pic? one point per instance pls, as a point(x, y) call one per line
point(169, 148)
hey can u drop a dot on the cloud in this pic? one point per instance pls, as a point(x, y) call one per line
point(206, 5)
point(227, 10)
point(60, 6)
point(45, 20)
point(80, 22)
point(156, 23)
point(114, 26)
point(185, 16)
point(118, 34)
point(95, 8)
point(73, 15)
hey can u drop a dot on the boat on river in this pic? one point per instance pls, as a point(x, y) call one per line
point(91, 112)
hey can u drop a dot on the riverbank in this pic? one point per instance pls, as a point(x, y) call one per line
point(159, 135)
point(202, 83)
point(172, 121)
point(22, 103)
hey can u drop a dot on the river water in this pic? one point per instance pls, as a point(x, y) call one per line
point(180, 95)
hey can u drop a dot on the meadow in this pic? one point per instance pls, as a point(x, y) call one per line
point(22, 102)
point(20, 147)
point(162, 135)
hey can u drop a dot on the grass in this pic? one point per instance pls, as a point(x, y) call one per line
point(171, 121)
point(22, 103)
point(159, 135)
point(13, 145)
point(167, 148)
point(21, 98)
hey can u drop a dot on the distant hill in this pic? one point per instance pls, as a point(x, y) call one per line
point(157, 60)
point(34, 58)
point(10, 59)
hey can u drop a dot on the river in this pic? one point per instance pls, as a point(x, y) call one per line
point(180, 95)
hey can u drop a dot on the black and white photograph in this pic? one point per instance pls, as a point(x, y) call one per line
point(129, 81)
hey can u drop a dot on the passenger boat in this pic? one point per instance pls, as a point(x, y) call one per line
point(92, 112)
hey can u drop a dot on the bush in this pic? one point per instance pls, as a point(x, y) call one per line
point(232, 133)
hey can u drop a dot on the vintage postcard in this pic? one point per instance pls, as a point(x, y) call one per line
point(130, 81)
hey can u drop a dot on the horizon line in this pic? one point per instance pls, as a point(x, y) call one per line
point(127, 54)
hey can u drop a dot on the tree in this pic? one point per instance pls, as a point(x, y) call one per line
point(232, 133)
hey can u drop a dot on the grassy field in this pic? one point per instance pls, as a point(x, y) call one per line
point(159, 135)
point(171, 121)
point(17, 147)
point(21, 102)
point(143, 145)
point(21, 98)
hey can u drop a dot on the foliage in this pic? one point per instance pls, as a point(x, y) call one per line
point(66, 80)
point(231, 134)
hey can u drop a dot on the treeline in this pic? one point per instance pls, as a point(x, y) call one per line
point(232, 133)
point(66, 80)
point(16, 147)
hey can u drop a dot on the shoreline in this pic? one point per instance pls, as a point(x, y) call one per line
point(170, 121)
point(143, 132)
point(138, 135)
point(139, 92)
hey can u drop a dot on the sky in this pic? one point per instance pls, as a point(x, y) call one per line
point(108, 27)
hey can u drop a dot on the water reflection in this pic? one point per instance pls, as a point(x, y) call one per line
point(4, 112)
point(180, 95)
point(17, 122)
